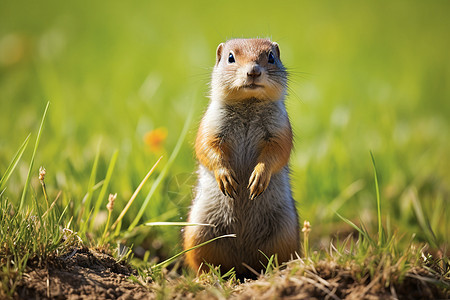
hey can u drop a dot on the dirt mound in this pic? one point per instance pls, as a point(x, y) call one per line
point(83, 274)
point(87, 274)
point(330, 281)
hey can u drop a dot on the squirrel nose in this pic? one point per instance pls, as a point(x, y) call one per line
point(254, 71)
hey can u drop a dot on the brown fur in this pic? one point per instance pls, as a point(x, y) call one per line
point(243, 147)
point(274, 156)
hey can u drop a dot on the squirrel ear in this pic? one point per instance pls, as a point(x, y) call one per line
point(219, 53)
point(277, 49)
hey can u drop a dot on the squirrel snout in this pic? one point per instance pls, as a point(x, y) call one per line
point(254, 71)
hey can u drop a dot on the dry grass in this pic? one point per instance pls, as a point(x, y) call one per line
point(90, 274)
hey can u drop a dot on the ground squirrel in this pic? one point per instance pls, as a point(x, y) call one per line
point(243, 147)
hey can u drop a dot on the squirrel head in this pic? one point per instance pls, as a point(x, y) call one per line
point(248, 69)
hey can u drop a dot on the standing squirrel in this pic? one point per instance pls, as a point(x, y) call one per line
point(243, 147)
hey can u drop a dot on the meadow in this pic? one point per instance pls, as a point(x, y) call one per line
point(127, 83)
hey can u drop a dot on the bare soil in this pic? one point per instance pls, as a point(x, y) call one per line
point(83, 274)
point(327, 280)
point(87, 274)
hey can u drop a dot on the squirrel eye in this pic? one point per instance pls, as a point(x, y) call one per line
point(271, 58)
point(231, 58)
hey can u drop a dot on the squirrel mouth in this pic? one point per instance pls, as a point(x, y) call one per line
point(252, 86)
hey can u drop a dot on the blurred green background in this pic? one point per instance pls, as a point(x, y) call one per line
point(364, 76)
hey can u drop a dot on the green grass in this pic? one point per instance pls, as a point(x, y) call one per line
point(365, 78)
point(385, 258)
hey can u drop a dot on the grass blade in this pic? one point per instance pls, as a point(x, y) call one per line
point(177, 224)
point(38, 138)
point(62, 214)
point(103, 191)
point(380, 225)
point(14, 163)
point(167, 261)
point(92, 178)
point(83, 226)
point(362, 232)
point(422, 219)
point(90, 190)
point(342, 198)
point(164, 171)
point(136, 192)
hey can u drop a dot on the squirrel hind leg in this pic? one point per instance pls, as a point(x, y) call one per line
point(192, 258)
point(213, 253)
point(196, 258)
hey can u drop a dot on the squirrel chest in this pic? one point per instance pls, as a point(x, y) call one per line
point(245, 127)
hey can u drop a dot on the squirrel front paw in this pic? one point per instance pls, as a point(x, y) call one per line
point(259, 180)
point(227, 181)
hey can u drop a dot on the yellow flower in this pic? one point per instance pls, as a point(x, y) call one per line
point(155, 138)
